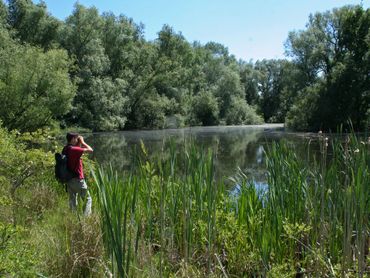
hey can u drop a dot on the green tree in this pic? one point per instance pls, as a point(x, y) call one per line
point(221, 76)
point(249, 78)
point(240, 113)
point(228, 86)
point(35, 88)
point(160, 69)
point(303, 113)
point(205, 109)
point(100, 100)
point(278, 82)
point(152, 113)
point(140, 75)
point(175, 59)
point(270, 88)
point(3, 13)
point(120, 37)
point(33, 24)
point(105, 104)
point(332, 54)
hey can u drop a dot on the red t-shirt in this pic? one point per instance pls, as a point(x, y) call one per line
point(74, 164)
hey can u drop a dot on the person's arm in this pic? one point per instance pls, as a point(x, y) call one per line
point(85, 146)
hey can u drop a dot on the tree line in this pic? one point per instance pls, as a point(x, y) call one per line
point(96, 70)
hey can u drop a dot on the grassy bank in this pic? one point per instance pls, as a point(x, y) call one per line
point(170, 217)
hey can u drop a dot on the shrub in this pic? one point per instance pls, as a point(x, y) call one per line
point(240, 113)
point(38, 234)
point(34, 85)
point(69, 246)
point(151, 112)
point(18, 256)
point(302, 114)
point(205, 109)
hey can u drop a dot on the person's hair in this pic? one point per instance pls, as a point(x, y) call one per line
point(70, 136)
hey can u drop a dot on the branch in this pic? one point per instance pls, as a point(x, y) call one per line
point(18, 182)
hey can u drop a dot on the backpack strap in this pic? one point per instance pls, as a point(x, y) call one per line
point(65, 152)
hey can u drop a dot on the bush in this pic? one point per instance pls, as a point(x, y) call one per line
point(240, 113)
point(18, 256)
point(38, 233)
point(205, 109)
point(35, 87)
point(151, 112)
point(301, 115)
point(175, 121)
point(28, 189)
point(106, 105)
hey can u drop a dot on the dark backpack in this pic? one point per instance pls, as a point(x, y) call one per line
point(62, 173)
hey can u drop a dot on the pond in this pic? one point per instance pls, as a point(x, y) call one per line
point(234, 146)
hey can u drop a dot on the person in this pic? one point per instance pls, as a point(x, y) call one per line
point(75, 148)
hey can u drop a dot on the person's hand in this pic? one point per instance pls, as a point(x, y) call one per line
point(80, 139)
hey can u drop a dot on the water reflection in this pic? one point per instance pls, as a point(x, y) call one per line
point(234, 147)
point(260, 187)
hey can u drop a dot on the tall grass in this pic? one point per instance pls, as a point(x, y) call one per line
point(313, 220)
point(117, 204)
point(164, 203)
point(330, 200)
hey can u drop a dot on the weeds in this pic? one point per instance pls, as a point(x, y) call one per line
point(310, 220)
point(170, 217)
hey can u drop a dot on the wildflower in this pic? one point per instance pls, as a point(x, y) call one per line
point(356, 151)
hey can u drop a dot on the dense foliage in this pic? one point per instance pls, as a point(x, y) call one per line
point(333, 58)
point(172, 217)
point(105, 76)
point(38, 234)
point(34, 85)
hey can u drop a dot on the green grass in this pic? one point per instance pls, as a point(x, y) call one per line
point(171, 212)
point(169, 216)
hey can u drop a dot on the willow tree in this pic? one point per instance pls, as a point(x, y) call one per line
point(333, 55)
point(35, 88)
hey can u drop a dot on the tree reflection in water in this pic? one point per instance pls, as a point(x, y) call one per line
point(234, 147)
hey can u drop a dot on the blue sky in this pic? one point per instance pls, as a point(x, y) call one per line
point(251, 29)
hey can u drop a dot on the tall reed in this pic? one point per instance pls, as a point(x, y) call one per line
point(117, 206)
point(314, 216)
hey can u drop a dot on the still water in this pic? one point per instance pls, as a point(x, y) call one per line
point(234, 146)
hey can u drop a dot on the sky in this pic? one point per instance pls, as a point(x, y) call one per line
point(250, 29)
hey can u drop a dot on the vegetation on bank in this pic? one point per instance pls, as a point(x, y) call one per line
point(38, 234)
point(173, 216)
point(170, 217)
point(97, 71)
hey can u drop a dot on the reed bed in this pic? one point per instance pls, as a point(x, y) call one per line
point(169, 215)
